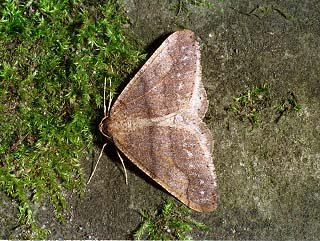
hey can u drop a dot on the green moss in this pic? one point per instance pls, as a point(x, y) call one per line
point(54, 58)
point(183, 6)
point(249, 104)
point(262, 10)
point(287, 104)
point(168, 223)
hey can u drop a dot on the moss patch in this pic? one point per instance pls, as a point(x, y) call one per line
point(183, 6)
point(253, 102)
point(54, 58)
point(168, 223)
point(250, 103)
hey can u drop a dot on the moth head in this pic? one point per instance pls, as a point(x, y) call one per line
point(103, 127)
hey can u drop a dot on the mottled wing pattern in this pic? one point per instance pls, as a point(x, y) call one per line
point(169, 72)
point(175, 158)
point(157, 122)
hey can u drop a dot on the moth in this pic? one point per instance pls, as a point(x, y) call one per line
point(156, 122)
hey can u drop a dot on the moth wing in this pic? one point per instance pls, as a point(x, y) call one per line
point(173, 71)
point(156, 122)
point(175, 157)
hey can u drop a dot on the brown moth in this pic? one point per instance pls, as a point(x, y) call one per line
point(157, 123)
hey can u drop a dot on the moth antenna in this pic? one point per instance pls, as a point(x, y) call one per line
point(124, 168)
point(104, 97)
point(95, 167)
point(110, 96)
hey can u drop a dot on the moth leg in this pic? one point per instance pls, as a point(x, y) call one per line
point(124, 168)
point(95, 167)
